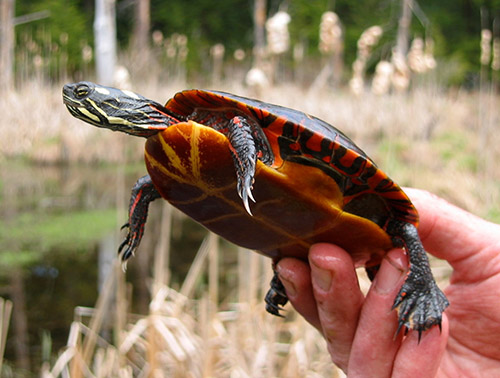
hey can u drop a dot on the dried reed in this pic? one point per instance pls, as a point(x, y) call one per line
point(244, 341)
point(5, 311)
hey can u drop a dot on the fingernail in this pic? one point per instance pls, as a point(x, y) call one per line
point(321, 277)
point(291, 291)
point(391, 271)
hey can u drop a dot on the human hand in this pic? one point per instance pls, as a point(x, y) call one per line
point(359, 330)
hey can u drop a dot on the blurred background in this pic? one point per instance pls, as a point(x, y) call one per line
point(414, 83)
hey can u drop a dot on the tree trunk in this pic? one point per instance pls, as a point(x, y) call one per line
point(259, 20)
point(142, 25)
point(6, 44)
point(105, 40)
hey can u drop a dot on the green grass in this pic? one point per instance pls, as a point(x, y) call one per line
point(456, 146)
point(28, 236)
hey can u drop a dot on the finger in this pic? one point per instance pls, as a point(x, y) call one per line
point(374, 347)
point(295, 275)
point(425, 356)
point(338, 296)
point(449, 232)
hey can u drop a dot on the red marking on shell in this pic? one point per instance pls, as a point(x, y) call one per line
point(314, 142)
point(273, 132)
point(348, 159)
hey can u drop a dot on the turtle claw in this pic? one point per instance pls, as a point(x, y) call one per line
point(420, 302)
point(419, 308)
point(129, 245)
point(276, 297)
point(143, 193)
point(245, 192)
point(244, 152)
point(250, 195)
point(245, 204)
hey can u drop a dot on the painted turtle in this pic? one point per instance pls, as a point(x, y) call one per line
point(310, 183)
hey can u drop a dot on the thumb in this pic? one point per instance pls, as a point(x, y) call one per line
point(449, 232)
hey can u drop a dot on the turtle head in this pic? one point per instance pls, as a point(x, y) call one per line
point(115, 109)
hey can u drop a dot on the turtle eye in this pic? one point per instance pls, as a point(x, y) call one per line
point(81, 91)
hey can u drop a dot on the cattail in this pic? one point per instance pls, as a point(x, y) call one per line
point(257, 80)
point(367, 40)
point(157, 38)
point(217, 52)
point(330, 34)
point(485, 47)
point(416, 56)
point(181, 39)
point(87, 53)
point(357, 84)
point(170, 50)
point(401, 75)
point(256, 77)
point(121, 78)
point(278, 38)
point(421, 57)
point(239, 54)
point(183, 53)
point(381, 83)
point(495, 62)
point(430, 62)
point(176, 46)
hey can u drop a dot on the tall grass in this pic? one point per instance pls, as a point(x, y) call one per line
point(188, 335)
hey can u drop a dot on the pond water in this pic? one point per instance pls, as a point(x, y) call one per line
point(59, 227)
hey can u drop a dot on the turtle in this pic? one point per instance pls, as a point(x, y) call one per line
point(267, 178)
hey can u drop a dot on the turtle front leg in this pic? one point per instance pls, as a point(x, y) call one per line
point(276, 296)
point(143, 192)
point(244, 152)
point(420, 303)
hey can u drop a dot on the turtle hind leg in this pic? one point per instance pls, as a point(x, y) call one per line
point(276, 296)
point(143, 192)
point(244, 152)
point(420, 302)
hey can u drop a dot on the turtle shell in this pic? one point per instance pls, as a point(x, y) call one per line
point(296, 204)
point(312, 184)
point(294, 136)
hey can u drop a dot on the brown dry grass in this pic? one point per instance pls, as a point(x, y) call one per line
point(184, 337)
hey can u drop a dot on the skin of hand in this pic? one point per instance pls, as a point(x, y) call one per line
point(360, 330)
